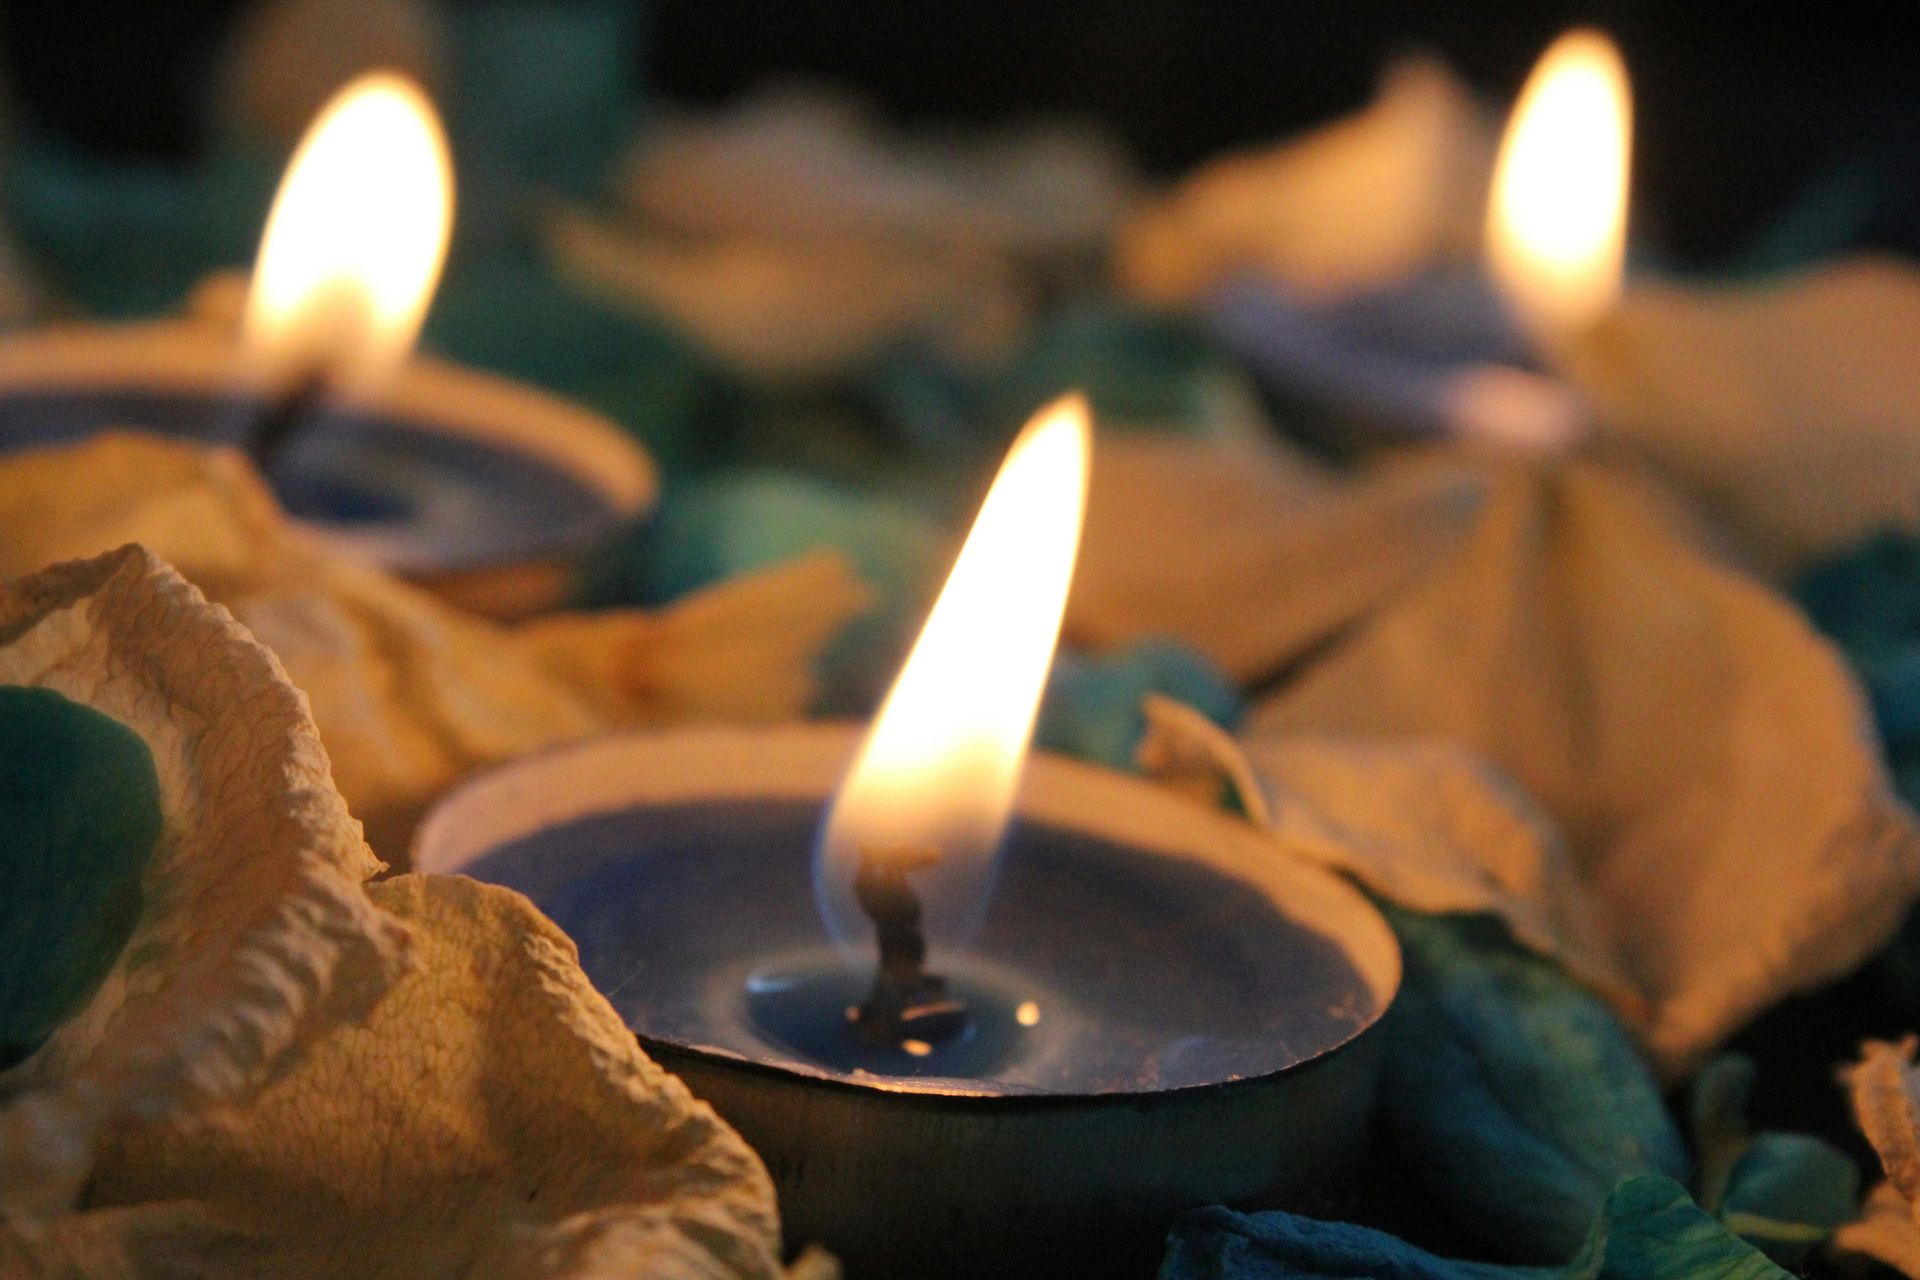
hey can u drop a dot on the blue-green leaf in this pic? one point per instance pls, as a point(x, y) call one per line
point(79, 816)
point(1513, 1097)
point(1647, 1230)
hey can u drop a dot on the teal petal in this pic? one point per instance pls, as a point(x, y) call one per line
point(1647, 1229)
point(79, 817)
point(1093, 703)
point(1513, 1097)
point(708, 530)
point(1785, 1192)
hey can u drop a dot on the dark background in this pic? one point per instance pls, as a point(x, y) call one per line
point(1744, 109)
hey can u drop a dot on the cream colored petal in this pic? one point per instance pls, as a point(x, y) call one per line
point(255, 933)
point(491, 1120)
point(1252, 554)
point(1380, 195)
point(1792, 408)
point(1885, 1231)
point(1706, 754)
point(738, 650)
point(1886, 1104)
point(806, 164)
point(1423, 824)
point(409, 692)
point(203, 511)
point(800, 309)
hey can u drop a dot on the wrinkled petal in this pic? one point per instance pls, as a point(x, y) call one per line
point(254, 934)
point(1251, 554)
point(1422, 824)
point(1706, 755)
point(492, 1119)
point(409, 692)
point(1885, 1231)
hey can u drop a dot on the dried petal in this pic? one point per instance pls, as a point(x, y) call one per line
point(491, 1119)
point(1885, 1231)
point(254, 933)
point(1379, 195)
point(1792, 409)
point(410, 693)
point(1707, 756)
point(1886, 1102)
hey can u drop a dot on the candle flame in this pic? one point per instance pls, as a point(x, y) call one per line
point(1557, 220)
point(355, 241)
point(940, 767)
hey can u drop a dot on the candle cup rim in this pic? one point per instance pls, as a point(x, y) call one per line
point(188, 360)
point(959, 1091)
point(451, 838)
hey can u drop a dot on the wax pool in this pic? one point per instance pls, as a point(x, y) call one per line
point(1098, 969)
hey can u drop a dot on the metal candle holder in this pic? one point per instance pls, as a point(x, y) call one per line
point(1207, 1035)
point(517, 482)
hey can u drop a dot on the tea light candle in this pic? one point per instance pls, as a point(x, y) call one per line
point(477, 484)
point(1130, 1006)
point(1453, 354)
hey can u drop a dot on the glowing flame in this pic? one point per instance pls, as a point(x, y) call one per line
point(355, 241)
point(1557, 220)
point(940, 768)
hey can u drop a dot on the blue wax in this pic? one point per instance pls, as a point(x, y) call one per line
point(1099, 968)
point(417, 497)
point(1393, 358)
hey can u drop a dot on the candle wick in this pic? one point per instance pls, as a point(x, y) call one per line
point(907, 1002)
point(282, 419)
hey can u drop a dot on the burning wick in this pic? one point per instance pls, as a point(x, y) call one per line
point(908, 1006)
point(280, 421)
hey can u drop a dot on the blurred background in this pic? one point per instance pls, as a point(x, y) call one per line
point(1746, 110)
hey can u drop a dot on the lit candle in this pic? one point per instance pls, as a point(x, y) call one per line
point(961, 1048)
point(483, 487)
point(1439, 356)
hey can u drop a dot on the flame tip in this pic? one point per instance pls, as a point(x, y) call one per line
point(1557, 212)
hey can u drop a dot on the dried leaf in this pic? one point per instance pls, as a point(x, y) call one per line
point(1423, 824)
point(798, 164)
point(1886, 1102)
point(1251, 554)
point(806, 309)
